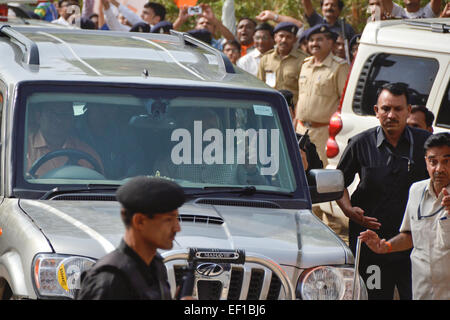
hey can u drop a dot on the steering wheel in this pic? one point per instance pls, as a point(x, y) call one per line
point(73, 155)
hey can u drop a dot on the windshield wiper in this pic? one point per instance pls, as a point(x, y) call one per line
point(88, 188)
point(243, 191)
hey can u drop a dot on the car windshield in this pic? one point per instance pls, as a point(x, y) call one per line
point(81, 136)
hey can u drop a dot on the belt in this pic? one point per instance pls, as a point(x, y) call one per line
point(312, 124)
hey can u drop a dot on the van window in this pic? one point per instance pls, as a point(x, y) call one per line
point(417, 73)
point(443, 117)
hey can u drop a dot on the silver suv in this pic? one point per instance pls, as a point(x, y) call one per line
point(83, 111)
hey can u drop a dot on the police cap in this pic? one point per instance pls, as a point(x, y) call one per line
point(321, 28)
point(162, 27)
point(286, 26)
point(150, 195)
point(140, 27)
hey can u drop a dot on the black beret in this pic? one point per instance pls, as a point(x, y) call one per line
point(140, 27)
point(162, 27)
point(286, 26)
point(321, 28)
point(150, 195)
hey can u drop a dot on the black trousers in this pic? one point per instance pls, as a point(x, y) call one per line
point(381, 278)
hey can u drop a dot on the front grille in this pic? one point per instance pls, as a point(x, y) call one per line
point(246, 283)
point(209, 290)
point(237, 276)
point(256, 283)
point(275, 287)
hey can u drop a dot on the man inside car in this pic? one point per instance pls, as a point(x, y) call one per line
point(54, 132)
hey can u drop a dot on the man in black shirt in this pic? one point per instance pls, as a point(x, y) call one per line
point(388, 159)
point(135, 270)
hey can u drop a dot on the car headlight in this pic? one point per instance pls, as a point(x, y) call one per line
point(330, 283)
point(58, 276)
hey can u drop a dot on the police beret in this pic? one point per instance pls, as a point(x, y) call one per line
point(150, 195)
point(140, 27)
point(286, 26)
point(162, 27)
point(321, 28)
point(201, 34)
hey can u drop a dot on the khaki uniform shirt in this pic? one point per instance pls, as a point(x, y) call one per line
point(429, 225)
point(282, 73)
point(320, 88)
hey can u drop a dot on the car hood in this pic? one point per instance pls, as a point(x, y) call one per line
point(289, 237)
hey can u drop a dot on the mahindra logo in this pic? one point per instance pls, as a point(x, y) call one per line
point(210, 269)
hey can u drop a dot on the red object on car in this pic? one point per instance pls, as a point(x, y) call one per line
point(333, 129)
point(336, 124)
point(3, 12)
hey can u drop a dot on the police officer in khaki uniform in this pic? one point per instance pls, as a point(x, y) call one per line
point(321, 82)
point(280, 67)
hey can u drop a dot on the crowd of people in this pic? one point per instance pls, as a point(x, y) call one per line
point(310, 64)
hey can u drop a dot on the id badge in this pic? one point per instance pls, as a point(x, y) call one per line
point(271, 79)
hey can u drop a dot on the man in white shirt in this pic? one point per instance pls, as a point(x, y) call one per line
point(264, 41)
point(152, 13)
point(412, 9)
point(66, 8)
point(426, 225)
point(205, 20)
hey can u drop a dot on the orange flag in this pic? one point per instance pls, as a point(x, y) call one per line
point(189, 3)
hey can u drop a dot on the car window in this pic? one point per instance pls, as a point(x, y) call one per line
point(443, 117)
point(417, 73)
point(197, 139)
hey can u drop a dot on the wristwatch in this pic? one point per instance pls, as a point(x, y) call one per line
point(275, 17)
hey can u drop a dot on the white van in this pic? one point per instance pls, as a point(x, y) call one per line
point(415, 52)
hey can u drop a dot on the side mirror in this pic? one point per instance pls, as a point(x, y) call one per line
point(325, 185)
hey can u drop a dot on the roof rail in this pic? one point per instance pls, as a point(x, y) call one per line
point(434, 27)
point(29, 49)
point(185, 37)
